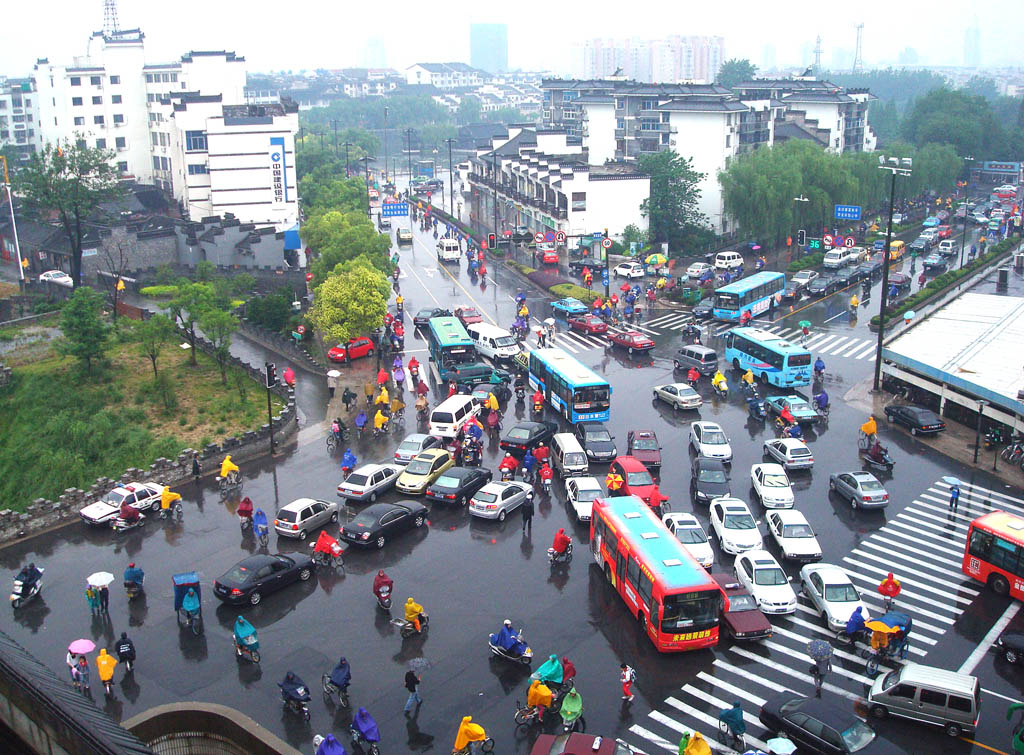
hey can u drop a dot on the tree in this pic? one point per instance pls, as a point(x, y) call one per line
point(153, 334)
point(633, 234)
point(81, 321)
point(219, 326)
point(71, 180)
point(349, 305)
point(469, 111)
point(192, 301)
point(966, 121)
point(340, 236)
point(672, 205)
point(117, 263)
point(735, 70)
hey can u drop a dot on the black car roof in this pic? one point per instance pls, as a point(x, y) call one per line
point(828, 712)
point(379, 509)
point(255, 562)
point(463, 472)
point(708, 463)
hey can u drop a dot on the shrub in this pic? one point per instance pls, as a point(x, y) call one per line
point(806, 262)
point(522, 268)
point(165, 275)
point(159, 292)
point(563, 290)
point(686, 295)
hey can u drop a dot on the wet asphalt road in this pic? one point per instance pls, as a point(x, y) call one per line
point(471, 574)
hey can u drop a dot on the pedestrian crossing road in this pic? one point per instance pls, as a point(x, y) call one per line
point(923, 546)
point(824, 343)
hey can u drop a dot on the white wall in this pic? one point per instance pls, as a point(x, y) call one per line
point(702, 136)
point(827, 115)
point(215, 74)
point(611, 204)
point(600, 139)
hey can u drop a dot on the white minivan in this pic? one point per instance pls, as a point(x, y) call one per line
point(728, 260)
point(448, 250)
point(492, 341)
point(451, 414)
point(841, 256)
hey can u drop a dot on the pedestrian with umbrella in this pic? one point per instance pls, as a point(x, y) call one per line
point(821, 653)
point(805, 330)
point(92, 595)
point(100, 582)
point(76, 653)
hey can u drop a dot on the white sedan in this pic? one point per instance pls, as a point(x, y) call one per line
point(804, 277)
point(369, 481)
point(791, 453)
point(58, 277)
point(833, 594)
point(698, 269)
point(734, 526)
point(760, 573)
point(771, 486)
point(794, 536)
point(581, 492)
point(629, 270)
point(708, 439)
point(678, 396)
point(144, 496)
point(688, 531)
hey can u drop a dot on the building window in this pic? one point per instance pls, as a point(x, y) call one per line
point(76, 81)
point(97, 120)
point(101, 144)
point(149, 78)
point(118, 118)
point(76, 101)
point(156, 163)
point(97, 100)
point(174, 77)
point(115, 99)
point(94, 80)
point(153, 136)
point(579, 201)
point(620, 103)
point(164, 140)
point(195, 141)
point(620, 123)
point(79, 121)
point(123, 166)
point(165, 77)
point(119, 142)
point(197, 170)
point(115, 79)
point(165, 163)
point(80, 143)
point(728, 139)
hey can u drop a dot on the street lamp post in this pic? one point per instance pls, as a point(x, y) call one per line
point(902, 167)
point(385, 144)
point(494, 195)
point(334, 122)
point(963, 239)
point(365, 160)
point(451, 179)
point(982, 403)
point(408, 143)
point(347, 145)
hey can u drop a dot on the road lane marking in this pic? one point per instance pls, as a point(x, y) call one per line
point(907, 570)
point(972, 661)
point(887, 529)
point(776, 666)
point(913, 594)
point(721, 705)
point(653, 738)
point(827, 350)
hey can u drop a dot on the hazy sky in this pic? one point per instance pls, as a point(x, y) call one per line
point(310, 33)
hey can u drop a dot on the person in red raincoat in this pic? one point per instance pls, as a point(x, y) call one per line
point(538, 398)
point(399, 330)
point(657, 498)
point(568, 670)
point(381, 581)
point(414, 365)
point(452, 388)
point(787, 416)
point(421, 388)
point(382, 376)
point(541, 453)
point(561, 542)
point(289, 376)
point(545, 472)
point(510, 463)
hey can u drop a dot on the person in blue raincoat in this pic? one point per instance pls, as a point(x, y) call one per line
point(245, 634)
point(341, 675)
point(190, 603)
point(363, 723)
point(328, 746)
point(259, 522)
point(856, 621)
point(349, 460)
point(508, 639)
point(550, 670)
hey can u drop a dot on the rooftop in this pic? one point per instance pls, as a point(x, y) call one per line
point(704, 104)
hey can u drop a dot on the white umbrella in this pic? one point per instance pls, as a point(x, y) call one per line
point(781, 746)
point(100, 579)
point(550, 321)
point(333, 373)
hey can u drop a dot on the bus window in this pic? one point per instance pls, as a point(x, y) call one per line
point(633, 572)
point(799, 360)
point(686, 609)
point(645, 587)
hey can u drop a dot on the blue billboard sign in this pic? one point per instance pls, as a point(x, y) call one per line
point(394, 210)
point(848, 212)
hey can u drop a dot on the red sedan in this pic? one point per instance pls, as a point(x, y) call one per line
point(945, 231)
point(355, 348)
point(636, 479)
point(588, 324)
point(549, 257)
point(633, 340)
point(469, 315)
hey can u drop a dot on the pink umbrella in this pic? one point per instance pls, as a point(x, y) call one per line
point(81, 647)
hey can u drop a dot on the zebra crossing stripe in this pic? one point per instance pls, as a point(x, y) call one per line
point(822, 342)
point(918, 586)
point(731, 688)
point(710, 721)
point(832, 345)
point(971, 487)
point(944, 520)
point(908, 522)
point(653, 738)
point(836, 651)
point(912, 557)
point(856, 347)
point(681, 324)
point(813, 340)
point(907, 570)
point(722, 705)
point(677, 727)
point(745, 674)
point(942, 506)
point(920, 542)
point(968, 501)
point(801, 655)
point(775, 666)
point(661, 319)
point(868, 352)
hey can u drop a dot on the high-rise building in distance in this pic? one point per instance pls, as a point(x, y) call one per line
point(488, 47)
point(668, 61)
point(972, 47)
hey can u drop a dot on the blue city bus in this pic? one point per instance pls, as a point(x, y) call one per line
point(573, 390)
point(752, 294)
point(771, 358)
point(449, 344)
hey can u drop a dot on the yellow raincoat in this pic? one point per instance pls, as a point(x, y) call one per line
point(382, 397)
point(168, 496)
point(870, 427)
point(227, 466)
point(469, 732)
point(697, 745)
point(379, 420)
point(718, 378)
point(539, 694)
point(105, 665)
point(748, 377)
point(412, 609)
point(492, 402)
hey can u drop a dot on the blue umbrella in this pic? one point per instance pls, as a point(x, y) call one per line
point(819, 650)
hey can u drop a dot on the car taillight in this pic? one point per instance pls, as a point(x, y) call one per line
point(450, 497)
point(236, 591)
point(865, 498)
point(276, 522)
point(295, 526)
point(491, 506)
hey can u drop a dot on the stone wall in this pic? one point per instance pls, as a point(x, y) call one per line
point(303, 354)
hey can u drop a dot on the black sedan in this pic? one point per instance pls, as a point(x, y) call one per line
point(824, 725)
point(458, 484)
point(422, 317)
point(823, 285)
point(576, 267)
point(527, 435)
point(376, 524)
point(872, 266)
point(793, 291)
point(1011, 645)
point(917, 419)
point(851, 274)
point(596, 440)
point(702, 309)
point(252, 578)
point(708, 480)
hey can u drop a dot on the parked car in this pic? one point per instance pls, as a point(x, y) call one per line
point(598, 443)
point(569, 307)
point(760, 573)
point(568, 744)
point(1011, 645)
point(580, 493)
point(688, 531)
point(303, 515)
point(636, 478)
point(643, 445)
point(57, 277)
point(697, 269)
point(802, 411)
point(496, 500)
point(794, 536)
point(527, 435)
point(734, 526)
point(791, 453)
point(404, 236)
point(255, 577)
point(423, 470)
point(917, 419)
point(771, 486)
point(628, 270)
point(708, 439)
point(825, 725)
point(588, 324)
point(414, 444)
point(861, 489)
point(631, 340)
point(458, 484)
point(741, 618)
point(708, 480)
point(468, 315)
point(354, 349)
point(377, 524)
point(144, 496)
point(423, 316)
point(832, 592)
point(370, 480)
point(678, 396)
point(703, 309)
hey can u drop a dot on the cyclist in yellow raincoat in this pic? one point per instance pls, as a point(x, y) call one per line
point(229, 470)
point(539, 697)
point(468, 732)
point(382, 398)
point(380, 420)
point(105, 665)
point(412, 612)
point(168, 496)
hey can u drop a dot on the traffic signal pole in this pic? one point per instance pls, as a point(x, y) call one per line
point(271, 381)
point(607, 270)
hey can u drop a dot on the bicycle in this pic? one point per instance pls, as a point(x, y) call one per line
point(336, 439)
point(731, 737)
point(486, 745)
point(330, 688)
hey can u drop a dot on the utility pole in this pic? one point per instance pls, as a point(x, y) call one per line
point(334, 122)
point(897, 166)
point(271, 380)
point(14, 225)
point(385, 144)
point(408, 141)
point(347, 145)
point(451, 179)
point(963, 239)
point(494, 196)
point(607, 269)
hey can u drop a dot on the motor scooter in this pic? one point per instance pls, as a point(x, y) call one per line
point(408, 629)
point(564, 557)
point(19, 595)
point(132, 589)
point(295, 696)
point(525, 657)
point(384, 598)
point(121, 525)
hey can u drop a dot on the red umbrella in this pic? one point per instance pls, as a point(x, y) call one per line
point(614, 299)
point(624, 287)
point(890, 586)
point(382, 376)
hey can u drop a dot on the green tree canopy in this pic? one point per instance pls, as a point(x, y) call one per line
point(326, 188)
point(218, 326)
point(192, 301)
point(350, 304)
point(735, 70)
point(671, 209)
point(154, 334)
point(81, 321)
point(966, 121)
point(339, 236)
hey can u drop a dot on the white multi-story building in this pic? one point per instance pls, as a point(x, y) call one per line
point(18, 102)
point(671, 60)
point(445, 75)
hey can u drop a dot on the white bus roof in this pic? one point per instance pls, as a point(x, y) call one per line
point(768, 338)
point(568, 366)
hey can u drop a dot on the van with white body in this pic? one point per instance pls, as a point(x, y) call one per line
point(567, 455)
point(928, 694)
point(841, 256)
point(451, 414)
point(728, 260)
point(948, 247)
point(448, 250)
point(492, 341)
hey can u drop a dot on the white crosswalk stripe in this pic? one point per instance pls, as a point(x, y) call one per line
point(922, 546)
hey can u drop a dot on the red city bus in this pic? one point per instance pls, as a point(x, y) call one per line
point(994, 554)
point(663, 586)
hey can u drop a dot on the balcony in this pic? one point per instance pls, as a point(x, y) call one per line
point(649, 113)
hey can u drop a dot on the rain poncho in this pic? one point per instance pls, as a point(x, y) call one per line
point(382, 398)
point(822, 399)
point(734, 718)
point(330, 746)
point(105, 665)
point(748, 377)
point(572, 706)
point(508, 638)
point(379, 420)
point(469, 732)
point(227, 466)
point(363, 723)
point(341, 675)
point(870, 427)
point(856, 621)
point(245, 633)
point(190, 603)
point(167, 497)
point(697, 745)
point(559, 545)
point(380, 581)
point(134, 574)
point(293, 687)
point(718, 378)
point(550, 670)
point(348, 459)
point(568, 669)
point(491, 402)
point(539, 694)
point(259, 522)
point(245, 507)
point(360, 420)
point(412, 610)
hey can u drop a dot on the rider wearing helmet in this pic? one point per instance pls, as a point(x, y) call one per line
point(819, 366)
point(693, 375)
point(510, 463)
point(134, 575)
point(413, 611)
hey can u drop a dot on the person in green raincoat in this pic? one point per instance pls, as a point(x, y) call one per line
point(93, 596)
point(572, 708)
point(684, 742)
point(550, 670)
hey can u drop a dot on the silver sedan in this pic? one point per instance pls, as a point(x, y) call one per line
point(496, 500)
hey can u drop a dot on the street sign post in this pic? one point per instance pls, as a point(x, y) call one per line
point(538, 237)
point(827, 240)
point(549, 237)
point(604, 277)
point(847, 212)
point(606, 243)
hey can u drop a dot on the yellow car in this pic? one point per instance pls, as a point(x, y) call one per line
point(423, 470)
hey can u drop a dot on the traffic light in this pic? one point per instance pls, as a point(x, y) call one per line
point(271, 374)
point(801, 237)
point(492, 241)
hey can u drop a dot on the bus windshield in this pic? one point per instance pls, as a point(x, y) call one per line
point(596, 396)
point(727, 301)
point(690, 609)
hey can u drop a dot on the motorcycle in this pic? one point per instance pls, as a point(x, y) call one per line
point(692, 333)
point(408, 629)
point(295, 696)
point(364, 732)
point(994, 437)
point(132, 590)
point(384, 598)
point(525, 657)
point(560, 558)
point(507, 474)
point(721, 389)
point(108, 687)
point(538, 408)
point(248, 648)
point(121, 525)
point(19, 595)
point(546, 485)
point(757, 408)
point(520, 394)
point(470, 457)
point(885, 463)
